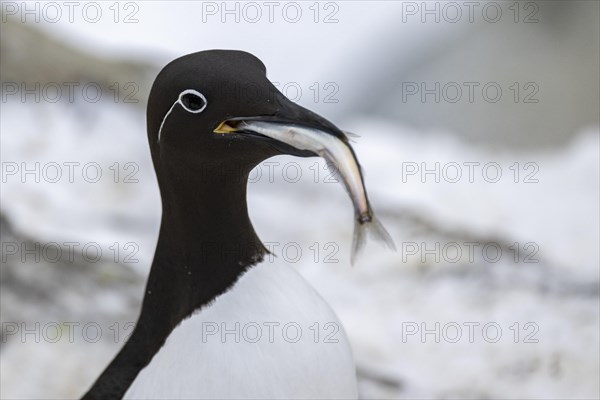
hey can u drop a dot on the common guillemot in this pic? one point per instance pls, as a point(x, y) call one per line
point(214, 311)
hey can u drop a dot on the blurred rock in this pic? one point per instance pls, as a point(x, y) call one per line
point(29, 56)
point(68, 289)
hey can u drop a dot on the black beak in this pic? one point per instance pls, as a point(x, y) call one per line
point(288, 114)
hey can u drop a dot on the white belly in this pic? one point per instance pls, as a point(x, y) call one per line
point(270, 336)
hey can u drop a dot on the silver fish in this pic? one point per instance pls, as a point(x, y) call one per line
point(339, 154)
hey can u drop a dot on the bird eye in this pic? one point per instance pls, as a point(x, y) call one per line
point(193, 101)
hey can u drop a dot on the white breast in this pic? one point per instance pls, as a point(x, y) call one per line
point(270, 336)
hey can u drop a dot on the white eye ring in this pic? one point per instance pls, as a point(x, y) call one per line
point(180, 102)
point(195, 93)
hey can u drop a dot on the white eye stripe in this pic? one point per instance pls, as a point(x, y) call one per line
point(165, 118)
point(181, 103)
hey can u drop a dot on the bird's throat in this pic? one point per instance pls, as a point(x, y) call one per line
point(206, 240)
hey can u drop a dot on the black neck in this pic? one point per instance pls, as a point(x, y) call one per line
point(206, 242)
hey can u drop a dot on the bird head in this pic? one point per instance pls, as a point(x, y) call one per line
point(198, 101)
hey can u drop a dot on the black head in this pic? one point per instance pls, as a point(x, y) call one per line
point(192, 97)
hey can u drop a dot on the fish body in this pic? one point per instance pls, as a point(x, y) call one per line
point(340, 155)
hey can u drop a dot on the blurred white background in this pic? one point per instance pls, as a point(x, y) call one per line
point(476, 88)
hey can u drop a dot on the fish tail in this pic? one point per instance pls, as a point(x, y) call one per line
point(372, 228)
